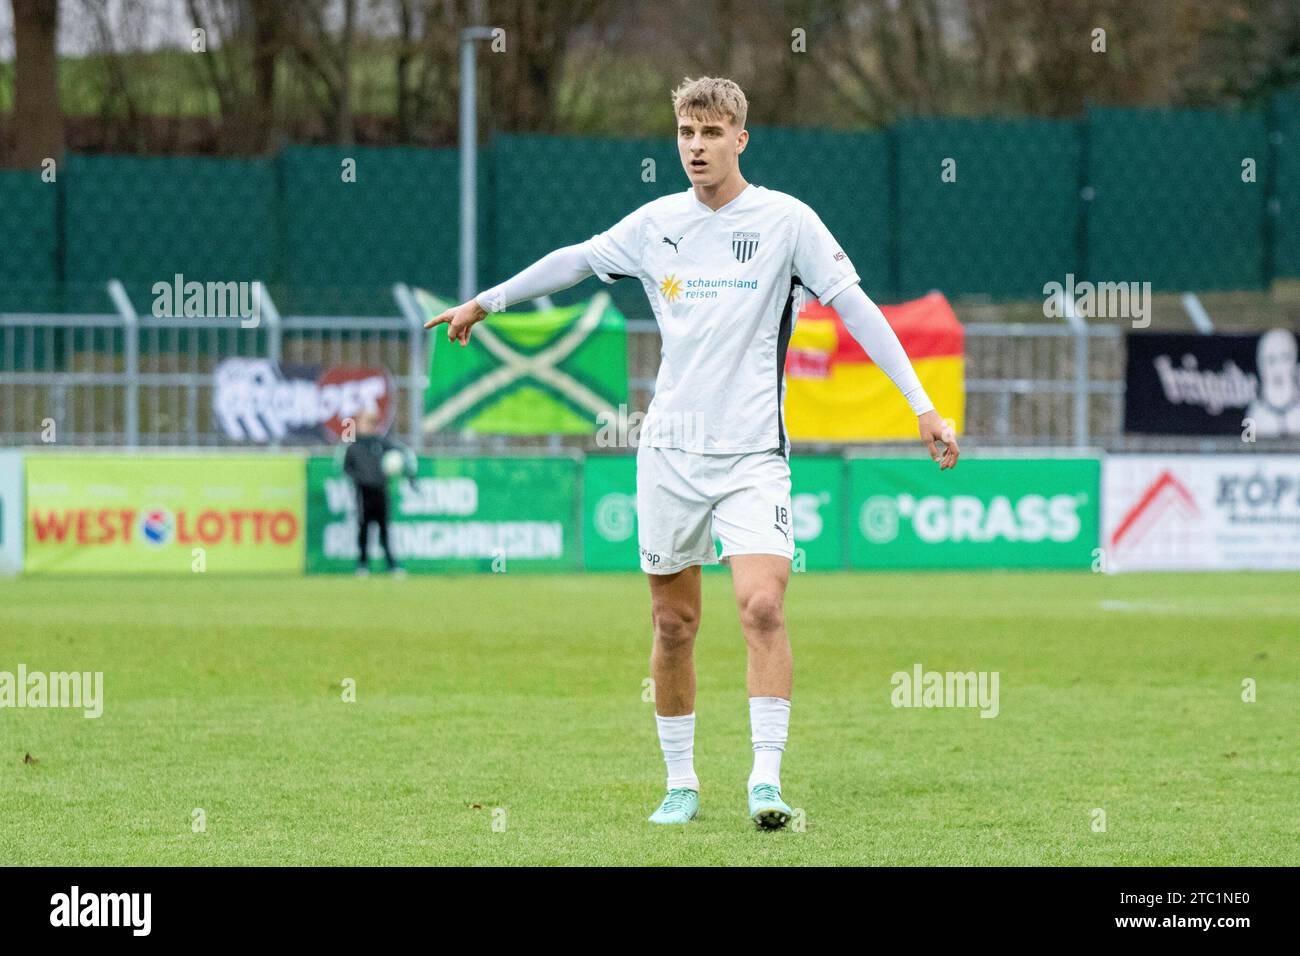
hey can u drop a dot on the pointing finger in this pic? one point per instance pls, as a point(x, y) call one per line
point(438, 320)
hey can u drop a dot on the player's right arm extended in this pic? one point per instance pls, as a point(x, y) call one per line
point(553, 272)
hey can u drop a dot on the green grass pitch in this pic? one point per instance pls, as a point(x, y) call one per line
point(499, 720)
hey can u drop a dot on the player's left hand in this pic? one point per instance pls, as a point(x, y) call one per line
point(934, 432)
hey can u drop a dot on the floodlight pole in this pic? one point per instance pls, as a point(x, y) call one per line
point(469, 160)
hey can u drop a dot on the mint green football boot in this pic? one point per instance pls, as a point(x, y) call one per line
point(680, 806)
point(767, 809)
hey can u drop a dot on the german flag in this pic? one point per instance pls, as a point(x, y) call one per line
point(835, 392)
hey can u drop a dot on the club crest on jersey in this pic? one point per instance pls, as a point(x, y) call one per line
point(744, 245)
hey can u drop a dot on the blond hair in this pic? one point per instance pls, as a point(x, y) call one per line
point(711, 97)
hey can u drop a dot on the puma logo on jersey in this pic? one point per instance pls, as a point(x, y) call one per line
point(674, 244)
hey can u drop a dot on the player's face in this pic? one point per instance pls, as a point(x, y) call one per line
point(709, 148)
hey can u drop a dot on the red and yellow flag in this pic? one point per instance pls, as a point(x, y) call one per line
point(834, 392)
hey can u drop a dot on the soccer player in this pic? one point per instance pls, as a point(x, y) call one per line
point(725, 265)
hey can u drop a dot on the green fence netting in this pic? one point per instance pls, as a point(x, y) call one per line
point(1133, 195)
point(347, 240)
point(986, 207)
point(144, 220)
point(1170, 206)
point(29, 243)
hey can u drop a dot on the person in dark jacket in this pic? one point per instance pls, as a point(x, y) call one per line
point(363, 462)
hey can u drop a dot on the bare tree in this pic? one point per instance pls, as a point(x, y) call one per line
point(37, 117)
point(325, 54)
point(387, 70)
point(241, 69)
point(524, 83)
point(268, 43)
point(425, 69)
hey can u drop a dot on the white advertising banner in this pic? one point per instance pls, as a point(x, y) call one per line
point(1201, 512)
point(12, 526)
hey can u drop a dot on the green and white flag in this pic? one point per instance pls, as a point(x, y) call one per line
point(527, 373)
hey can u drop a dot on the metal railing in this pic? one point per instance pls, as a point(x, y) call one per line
point(133, 380)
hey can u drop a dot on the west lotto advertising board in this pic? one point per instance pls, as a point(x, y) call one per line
point(125, 514)
point(609, 540)
point(456, 515)
point(11, 512)
point(1201, 512)
point(985, 513)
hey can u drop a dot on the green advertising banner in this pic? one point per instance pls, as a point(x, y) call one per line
point(609, 520)
point(557, 371)
point(456, 515)
point(169, 514)
point(817, 509)
point(609, 529)
point(985, 513)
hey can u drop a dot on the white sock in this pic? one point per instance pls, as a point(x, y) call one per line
point(677, 739)
point(769, 717)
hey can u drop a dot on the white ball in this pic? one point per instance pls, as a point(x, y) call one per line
point(393, 462)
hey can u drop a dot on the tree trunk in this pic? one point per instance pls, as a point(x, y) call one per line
point(267, 40)
point(38, 122)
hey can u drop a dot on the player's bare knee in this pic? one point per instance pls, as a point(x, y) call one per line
point(675, 628)
point(763, 612)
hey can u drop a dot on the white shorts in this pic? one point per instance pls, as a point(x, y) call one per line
point(684, 499)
